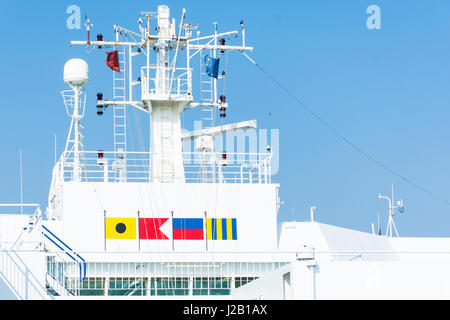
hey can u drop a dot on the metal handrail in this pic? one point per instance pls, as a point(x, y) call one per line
point(72, 254)
point(182, 83)
point(109, 166)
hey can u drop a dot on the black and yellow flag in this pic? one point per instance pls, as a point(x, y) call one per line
point(120, 228)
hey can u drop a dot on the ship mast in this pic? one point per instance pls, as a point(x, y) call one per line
point(76, 76)
point(165, 106)
point(166, 89)
point(392, 206)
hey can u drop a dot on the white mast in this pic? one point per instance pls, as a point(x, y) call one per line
point(166, 90)
point(76, 76)
point(165, 109)
point(392, 206)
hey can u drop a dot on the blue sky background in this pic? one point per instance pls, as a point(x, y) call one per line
point(385, 90)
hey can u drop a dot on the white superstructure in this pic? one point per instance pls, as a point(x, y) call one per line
point(168, 222)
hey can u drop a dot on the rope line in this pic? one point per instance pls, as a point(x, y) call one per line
point(351, 144)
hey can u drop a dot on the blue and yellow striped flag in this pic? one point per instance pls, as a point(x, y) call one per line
point(221, 229)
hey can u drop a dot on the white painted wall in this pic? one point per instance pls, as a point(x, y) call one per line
point(335, 243)
point(422, 248)
point(22, 275)
point(11, 226)
point(387, 268)
point(355, 280)
point(254, 207)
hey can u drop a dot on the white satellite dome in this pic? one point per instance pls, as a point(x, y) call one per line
point(76, 72)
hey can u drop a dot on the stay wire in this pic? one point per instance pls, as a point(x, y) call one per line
point(351, 144)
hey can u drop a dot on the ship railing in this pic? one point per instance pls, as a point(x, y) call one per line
point(18, 277)
point(34, 221)
point(63, 254)
point(101, 166)
point(66, 250)
point(160, 278)
point(56, 274)
point(57, 178)
point(174, 81)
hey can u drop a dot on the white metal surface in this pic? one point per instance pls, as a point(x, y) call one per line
point(253, 168)
point(76, 72)
point(166, 89)
point(120, 94)
point(68, 253)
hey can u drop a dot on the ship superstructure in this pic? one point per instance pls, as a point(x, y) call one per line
point(162, 221)
point(174, 223)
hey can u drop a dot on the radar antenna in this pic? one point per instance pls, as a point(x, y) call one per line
point(392, 207)
point(165, 86)
point(76, 76)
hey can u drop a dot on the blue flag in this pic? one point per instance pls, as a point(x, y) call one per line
point(212, 66)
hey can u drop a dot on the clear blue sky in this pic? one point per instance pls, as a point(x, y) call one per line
point(385, 90)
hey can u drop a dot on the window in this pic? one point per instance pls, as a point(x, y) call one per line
point(88, 287)
point(211, 286)
point(169, 286)
point(240, 281)
point(127, 287)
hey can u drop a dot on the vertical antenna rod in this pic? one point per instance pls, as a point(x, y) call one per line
point(21, 181)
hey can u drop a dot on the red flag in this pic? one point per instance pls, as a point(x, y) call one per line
point(112, 60)
point(149, 228)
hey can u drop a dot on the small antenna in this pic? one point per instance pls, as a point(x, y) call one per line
point(311, 212)
point(270, 128)
point(173, 244)
point(139, 235)
point(55, 148)
point(392, 207)
point(21, 181)
point(243, 32)
point(206, 238)
point(379, 228)
point(88, 25)
point(150, 14)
